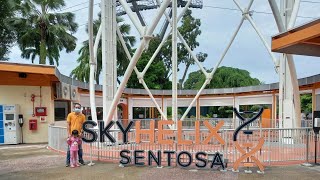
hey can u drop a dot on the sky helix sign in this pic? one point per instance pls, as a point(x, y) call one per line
point(183, 158)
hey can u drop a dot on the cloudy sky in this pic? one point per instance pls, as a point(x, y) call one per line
point(219, 20)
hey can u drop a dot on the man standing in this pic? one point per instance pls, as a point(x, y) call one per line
point(75, 121)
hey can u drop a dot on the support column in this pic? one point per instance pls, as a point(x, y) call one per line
point(161, 117)
point(174, 63)
point(109, 63)
point(289, 96)
point(314, 101)
point(198, 110)
point(274, 110)
point(164, 108)
point(114, 58)
point(130, 108)
point(317, 100)
point(235, 105)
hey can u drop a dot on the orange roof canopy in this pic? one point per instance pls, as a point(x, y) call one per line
point(302, 40)
point(27, 74)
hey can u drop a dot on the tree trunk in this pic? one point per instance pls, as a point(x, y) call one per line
point(184, 75)
point(43, 51)
point(43, 45)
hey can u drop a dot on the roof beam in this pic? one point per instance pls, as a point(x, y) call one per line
point(34, 69)
point(304, 34)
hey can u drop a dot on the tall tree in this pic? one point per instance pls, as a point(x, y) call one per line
point(7, 36)
point(82, 71)
point(224, 77)
point(306, 103)
point(43, 32)
point(190, 30)
point(157, 75)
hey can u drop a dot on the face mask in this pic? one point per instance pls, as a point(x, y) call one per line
point(77, 110)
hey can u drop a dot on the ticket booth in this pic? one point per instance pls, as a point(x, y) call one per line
point(10, 131)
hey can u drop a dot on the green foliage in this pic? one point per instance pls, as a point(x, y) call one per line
point(43, 33)
point(190, 30)
point(7, 36)
point(195, 80)
point(253, 108)
point(224, 77)
point(306, 103)
point(169, 112)
point(220, 111)
point(157, 75)
point(82, 71)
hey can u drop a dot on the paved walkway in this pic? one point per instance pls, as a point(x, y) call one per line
point(37, 162)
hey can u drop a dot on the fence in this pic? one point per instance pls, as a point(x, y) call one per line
point(280, 146)
point(230, 123)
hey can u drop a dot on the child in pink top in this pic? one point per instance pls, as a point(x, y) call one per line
point(74, 141)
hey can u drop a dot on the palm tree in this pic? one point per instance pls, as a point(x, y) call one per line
point(7, 37)
point(43, 32)
point(82, 71)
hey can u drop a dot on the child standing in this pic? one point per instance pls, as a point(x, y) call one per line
point(74, 141)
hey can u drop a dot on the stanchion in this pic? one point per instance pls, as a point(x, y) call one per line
point(91, 163)
point(315, 148)
point(20, 121)
point(316, 128)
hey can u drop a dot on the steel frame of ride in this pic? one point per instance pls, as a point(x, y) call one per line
point(285, 17)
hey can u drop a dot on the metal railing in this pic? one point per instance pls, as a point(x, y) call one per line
point(229, 123)
point(281, 145)
point(57, 138)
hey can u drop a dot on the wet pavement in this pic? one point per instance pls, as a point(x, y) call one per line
point(37, 162)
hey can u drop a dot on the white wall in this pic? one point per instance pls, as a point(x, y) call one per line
point(22, 95)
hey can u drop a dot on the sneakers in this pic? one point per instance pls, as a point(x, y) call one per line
point(78, 164)
point(72, 166)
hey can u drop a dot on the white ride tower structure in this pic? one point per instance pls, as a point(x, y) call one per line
point(289, 96)
point(285, 17)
